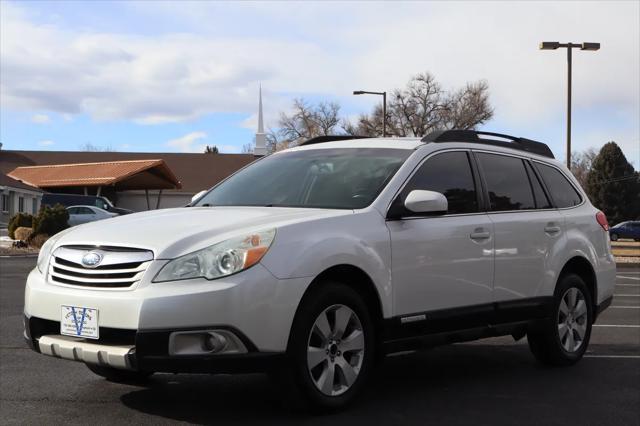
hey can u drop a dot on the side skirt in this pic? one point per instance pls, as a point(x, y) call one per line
point(433, 328)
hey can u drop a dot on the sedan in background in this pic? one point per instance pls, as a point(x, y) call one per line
point(629, 229)
point(85, 214)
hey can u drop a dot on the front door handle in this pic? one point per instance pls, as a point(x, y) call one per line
point(480, 234)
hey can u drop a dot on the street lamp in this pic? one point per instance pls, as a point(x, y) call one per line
point(553, 45)
point(384, 107)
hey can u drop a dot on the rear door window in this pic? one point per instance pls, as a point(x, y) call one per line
point(541, 199)
point(562, 191)
point(507, 182)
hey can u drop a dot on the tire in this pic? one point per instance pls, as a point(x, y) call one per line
point(563, 339)
point(119, 376)
point(614, 237)
point(332, 332)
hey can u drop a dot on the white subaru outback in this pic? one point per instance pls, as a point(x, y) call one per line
point(316, 261)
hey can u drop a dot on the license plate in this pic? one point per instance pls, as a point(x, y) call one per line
point(79, 322)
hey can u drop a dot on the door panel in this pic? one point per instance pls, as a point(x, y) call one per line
point(524, 251)
point(526, 229)
point(440, 263)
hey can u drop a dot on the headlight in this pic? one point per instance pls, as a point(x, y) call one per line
point(45, 254)
point(219, 260)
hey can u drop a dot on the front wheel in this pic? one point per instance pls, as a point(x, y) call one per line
point(331, 347)
point(614, 237)
point(563, 340)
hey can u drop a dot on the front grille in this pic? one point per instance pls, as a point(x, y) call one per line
point(119, 268)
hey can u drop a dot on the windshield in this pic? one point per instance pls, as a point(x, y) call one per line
point(343, 178)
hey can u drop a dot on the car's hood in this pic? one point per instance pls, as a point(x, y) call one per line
point(174, 232)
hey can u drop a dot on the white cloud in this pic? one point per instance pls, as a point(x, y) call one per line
point(40, 119)
point(324, 50)
point(46, 143)
point(188, 142)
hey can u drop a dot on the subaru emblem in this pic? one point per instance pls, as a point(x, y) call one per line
point(91, 259)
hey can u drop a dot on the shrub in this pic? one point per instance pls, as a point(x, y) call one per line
point(18, 220)
point(38, 240)
point(50, 220)
point(22, 233)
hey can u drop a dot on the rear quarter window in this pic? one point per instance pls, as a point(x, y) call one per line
point(563, 193)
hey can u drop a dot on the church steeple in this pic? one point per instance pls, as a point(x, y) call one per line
point(261, 138)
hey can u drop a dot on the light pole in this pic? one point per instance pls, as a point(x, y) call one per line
point(553, 45)
point(384, 107)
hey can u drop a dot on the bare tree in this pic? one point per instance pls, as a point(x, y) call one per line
point(247, 148)
point(307, 121)
point(423, 106)
point(581, 164)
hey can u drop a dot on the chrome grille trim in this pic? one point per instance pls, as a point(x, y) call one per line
point(118, 269)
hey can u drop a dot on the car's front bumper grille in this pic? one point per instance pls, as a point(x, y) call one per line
point(119, 267)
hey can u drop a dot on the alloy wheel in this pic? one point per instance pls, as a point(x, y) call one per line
point(335, 350)
point(572, 319)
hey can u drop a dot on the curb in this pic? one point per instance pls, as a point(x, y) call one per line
point(14, 256)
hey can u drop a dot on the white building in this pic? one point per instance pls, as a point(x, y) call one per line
point(17, 197)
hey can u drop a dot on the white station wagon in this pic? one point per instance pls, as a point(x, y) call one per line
point(314, 262)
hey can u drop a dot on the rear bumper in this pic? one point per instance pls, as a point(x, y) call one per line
point(144, 351)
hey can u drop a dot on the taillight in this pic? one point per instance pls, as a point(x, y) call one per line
point(602, 220)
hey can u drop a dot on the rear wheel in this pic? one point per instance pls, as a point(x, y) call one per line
point(119, 376)
point(331, 348)
point(564, 338)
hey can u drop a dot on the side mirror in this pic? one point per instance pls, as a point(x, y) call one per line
point(419, 201)
point(198, 195)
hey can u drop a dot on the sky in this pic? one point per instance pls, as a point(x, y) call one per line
point(176, 76)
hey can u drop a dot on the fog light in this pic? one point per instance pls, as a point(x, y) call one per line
point(205, 342)
point(215, 342)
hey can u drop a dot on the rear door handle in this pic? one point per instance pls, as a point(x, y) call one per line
point(552, 229)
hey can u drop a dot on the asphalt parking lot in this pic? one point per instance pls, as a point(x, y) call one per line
point(494, 381)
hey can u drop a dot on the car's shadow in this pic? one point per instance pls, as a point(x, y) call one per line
point(457, 384)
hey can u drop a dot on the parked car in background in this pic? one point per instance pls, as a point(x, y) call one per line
point(317, 261)
point(51, 199)
point(628, 229)
point(85, 214)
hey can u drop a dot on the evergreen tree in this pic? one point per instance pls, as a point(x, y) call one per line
point(211, 149)
point(613, 185)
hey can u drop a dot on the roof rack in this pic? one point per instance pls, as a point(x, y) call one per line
point(496, 139)
point(331, 138)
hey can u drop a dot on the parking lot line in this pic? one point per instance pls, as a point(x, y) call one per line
point(628, 285)
point(625, 307)
point(614, 356)
point(629, 278)
point(626, 295)
point(617, 325)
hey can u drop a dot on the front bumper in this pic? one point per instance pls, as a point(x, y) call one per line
point(254, 302)
point(143, 351)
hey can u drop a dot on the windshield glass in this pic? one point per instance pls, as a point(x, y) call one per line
point(343, 178)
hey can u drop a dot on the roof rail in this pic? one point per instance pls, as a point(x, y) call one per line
point(496, 139)
point(331, 138)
